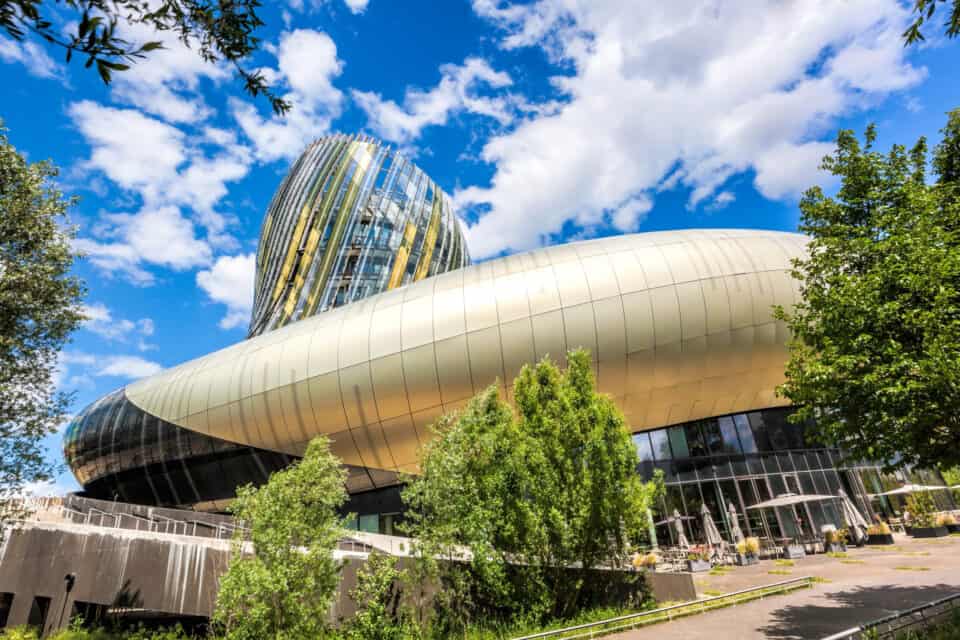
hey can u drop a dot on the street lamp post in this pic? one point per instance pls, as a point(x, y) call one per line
point(68, 581)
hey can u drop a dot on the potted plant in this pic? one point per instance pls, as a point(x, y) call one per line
point(836, 540)
point(698, 559)
point(747, 551)
point(879, 533)
point(923, 517)
point(947, 520)
point(645, 561)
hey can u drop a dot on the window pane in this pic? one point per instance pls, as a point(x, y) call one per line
point(644, 451)
point(695, 444)
point(369, 523)
point(678, 442)
point(661, 446)
point(760, 433)
point(746, 436)
point(728, 434)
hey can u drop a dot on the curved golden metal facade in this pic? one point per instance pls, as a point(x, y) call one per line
point(679, 324)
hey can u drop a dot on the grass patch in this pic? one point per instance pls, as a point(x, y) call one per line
point(701, 583)
point(904, 567)
point(712, 592)
point(820, 580)
point(851, 561)
point(784, 563)
point(720, 570)
point(779, 572)
point(837, 554)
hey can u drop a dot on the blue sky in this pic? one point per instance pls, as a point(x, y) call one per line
point(546, 121)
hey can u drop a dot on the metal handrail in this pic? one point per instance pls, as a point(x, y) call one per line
point(785, 585)
point(853, 632)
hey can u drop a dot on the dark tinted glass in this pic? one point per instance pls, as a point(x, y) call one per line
point(760, 435)
point(696, 445)
point(644, 450)
point(661, 444)
point(728, 434)
point(678, 442)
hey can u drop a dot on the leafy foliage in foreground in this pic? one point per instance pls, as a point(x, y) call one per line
point(284, 585)
point(39, 308)
point(532, 495)
point(876, 345)
point(217, 30)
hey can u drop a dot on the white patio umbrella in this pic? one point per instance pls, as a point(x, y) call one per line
point(682, 541)
point(709, 527)
point(788, 499)
point(856, 523)
point(910, 488)
point(735, 532)
point(651, 529)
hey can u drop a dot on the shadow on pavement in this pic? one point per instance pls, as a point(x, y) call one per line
point(813, 621)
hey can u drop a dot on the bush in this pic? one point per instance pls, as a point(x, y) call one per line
point(530, 492)
point(836, 537)
point(922, 509)
point(879, 529)
point(645, 561)
point(945, 519)
point(380, 613)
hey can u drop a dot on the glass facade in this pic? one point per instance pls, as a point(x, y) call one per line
point(352, 218)
point(748, 458)
point(119, 452)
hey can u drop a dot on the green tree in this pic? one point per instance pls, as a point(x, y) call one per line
point(381, 614)
point(876, 337)
point(39, 308)
point(521, 498)
point(217, 29)
point(923, 12)
point(281, 583)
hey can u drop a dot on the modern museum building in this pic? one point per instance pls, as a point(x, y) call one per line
point(370, 322)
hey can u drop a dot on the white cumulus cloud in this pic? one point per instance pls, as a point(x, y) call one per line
point(677, 94)
point(306, 63)
point(100, 320)
point(31, 55)
point(229, 281)
point(456, 92)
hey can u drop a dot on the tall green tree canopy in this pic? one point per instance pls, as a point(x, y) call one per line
point(551, 486)
point(876, 349)
point(282, 586)
point(216, 29)
point(39, 308)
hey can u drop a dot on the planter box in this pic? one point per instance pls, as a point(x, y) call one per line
point(836, 547)
point(880, 538)
point(678, 587)
point(794, 552)
point(953, 528)
point(747, 559)
point(930, 532)
point(696, 566)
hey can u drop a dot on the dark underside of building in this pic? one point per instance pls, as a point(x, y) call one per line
point(741, 459)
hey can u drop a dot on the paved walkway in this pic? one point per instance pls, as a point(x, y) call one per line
point(866, 585)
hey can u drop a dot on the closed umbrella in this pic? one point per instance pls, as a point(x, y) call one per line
point(735, 531)
point(856, 524)
point(651, 529)
point(678, 524)
point(710, 528)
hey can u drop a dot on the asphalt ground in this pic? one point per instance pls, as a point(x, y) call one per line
point(867, 584)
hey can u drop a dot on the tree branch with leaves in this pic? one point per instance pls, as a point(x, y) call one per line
point(216, 29)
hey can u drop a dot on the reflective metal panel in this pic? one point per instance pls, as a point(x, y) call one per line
point(374, 375)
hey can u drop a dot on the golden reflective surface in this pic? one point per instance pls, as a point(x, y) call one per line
point(679, 324)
